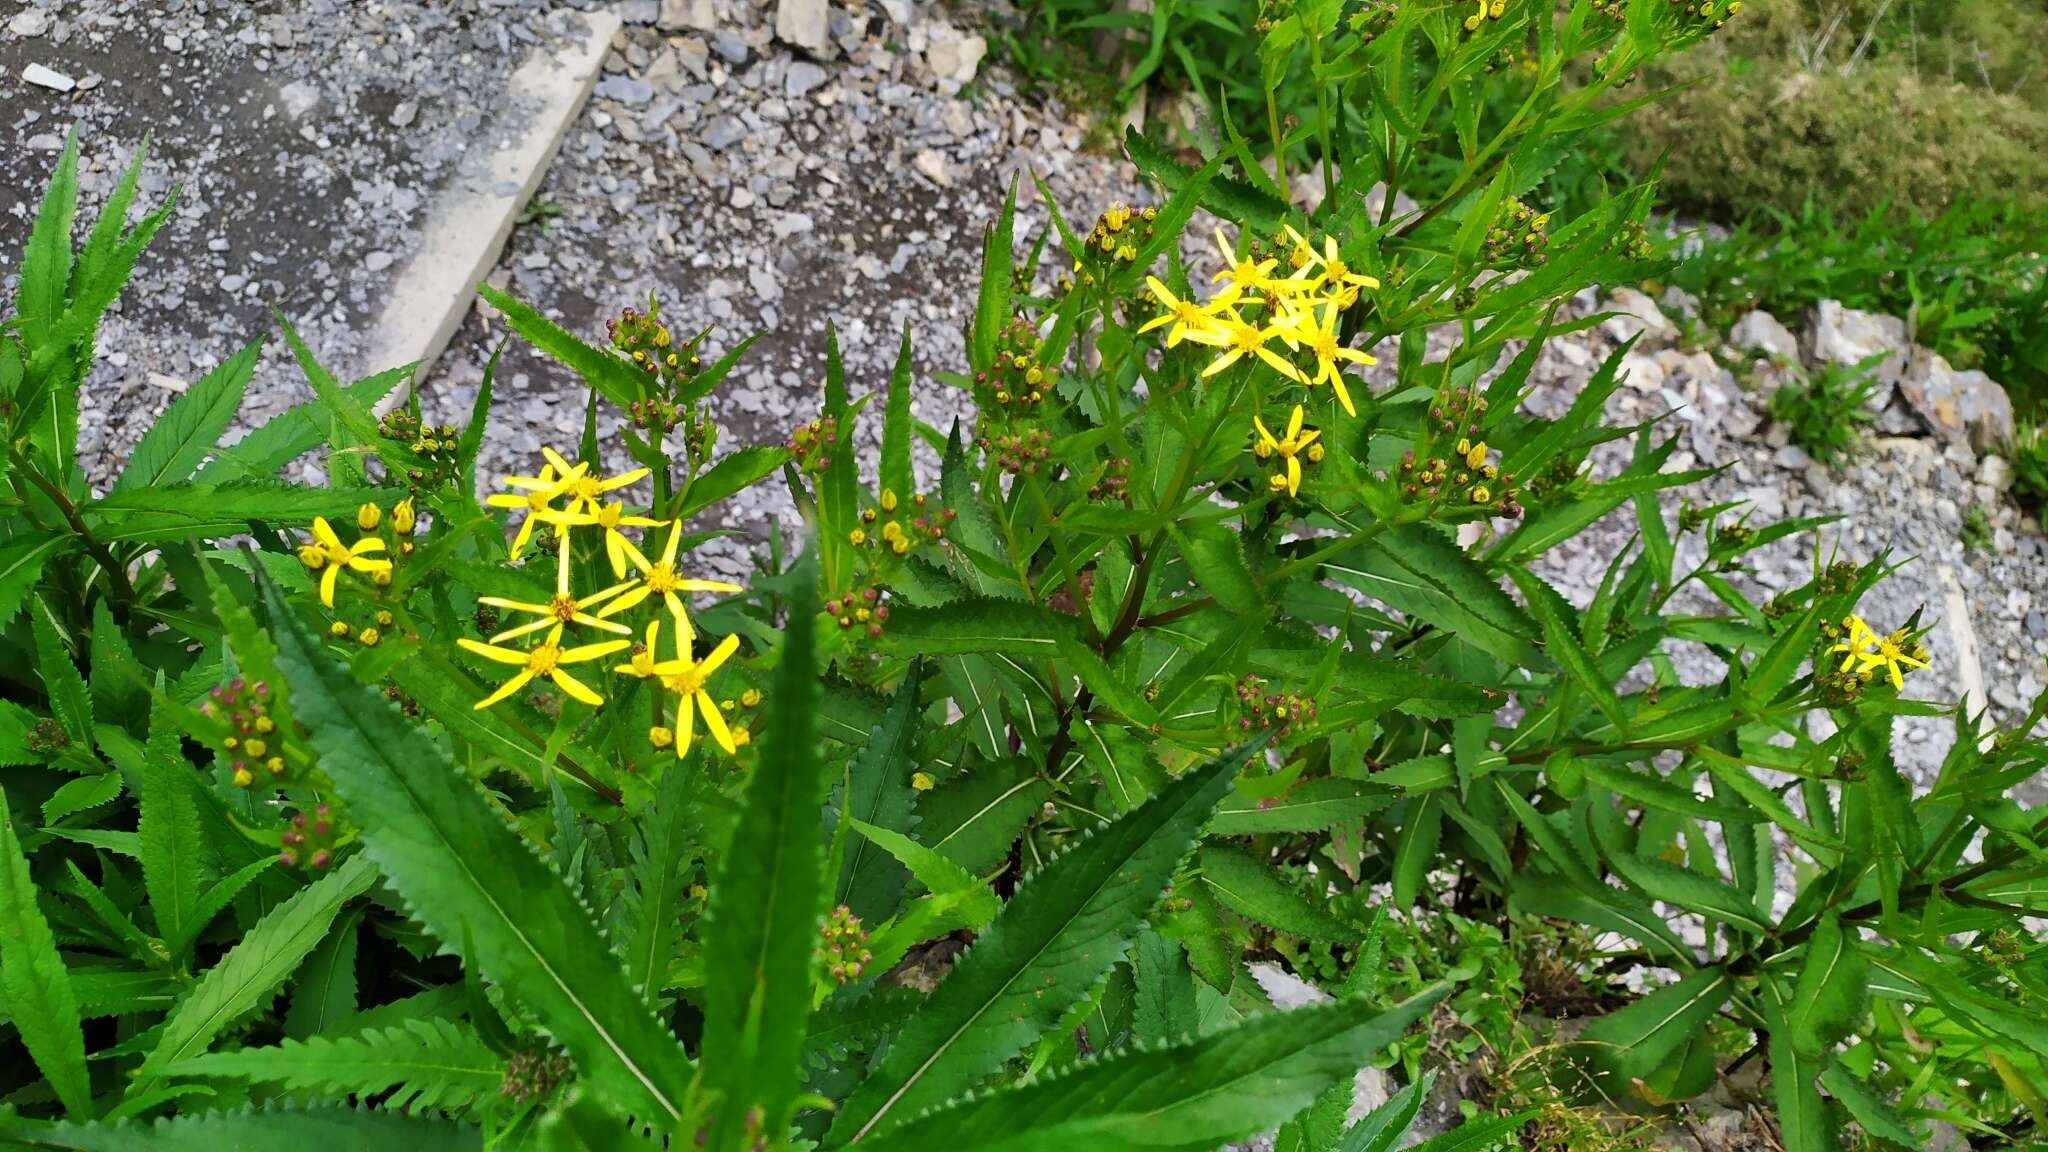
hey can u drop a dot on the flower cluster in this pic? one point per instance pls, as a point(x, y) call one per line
point(311, 842)
point(1299, 444)
point(653, 349)
point(1864, 651)
point(810, 446)
point(1116, 238)
point(436, 446)
point(1374, 18)
point(1256, 308)
point(1016, 381)
point(1518, 236)
point(253, 742)
point(884, 527)
point(1283, 712)
point(571, 502)
point(533, 1074)
point(865, 611)
point(1018, 453)
point(1488, 10)
point(844, 946)
point(1115, 478)
point(326, 555)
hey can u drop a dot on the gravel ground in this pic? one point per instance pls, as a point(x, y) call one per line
point(757, 187)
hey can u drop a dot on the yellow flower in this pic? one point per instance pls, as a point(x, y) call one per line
point(1866, 648)
point(1287, 447)
point(561, 608)
point(547, 659)
point(922, 781)
point(403, 517)
point(1191, 321)
point(539, 493)
point(1481, 494)
point(367, 517)
point(1246, 276)
point(1242, 338)
point(586, 491)
point(1475, 455)
point(662, 580)
point(643, 663)
point(1332, 275)
point(611, 517)
point(661, 737)
point(335, 556)
point(1320, 337)
point(686, 678)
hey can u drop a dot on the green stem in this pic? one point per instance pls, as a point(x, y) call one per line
point(117, 572)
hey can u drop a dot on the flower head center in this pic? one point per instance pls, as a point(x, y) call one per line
point(562, 608)
point(662, 578)
point(688, 682)
point(543, 660)
point(608, 516)
point(587, 487)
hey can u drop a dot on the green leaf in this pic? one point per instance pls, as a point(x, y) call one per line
point(733, 472)
point(761, 927)
point(325, 992)
point(878, 792)
point(434, 1063)
point(176, 511)
point(1248, 886)
point(1479, 1135)
point(610, 376)
point(468, 877)
point(1191, 1097)
point(661, 870)
point(173, 846)
point(70, 702)
point(1310, 806)
point(1867, 1107)
point(1163, 1005)
point(81, 795)
point(1065, 927)
point(21, 563)
point(1123, 761)
point(975, 626)
point(1415, 848)
point(1634, 1041)
point(941, 876)
point(1416, 569)
point(38, 989)
point(290, 434)
point(1688, 890)
point(1562, 643)
point(269, 1130)
point(1829, 999)
point(1108, 688)
point(895, 470)
point(992, 305)
point(46, 260)
point(1804, 1124)
point(248, 977)
point(182, 437)
point(1381, 1127)
point(1215, 555)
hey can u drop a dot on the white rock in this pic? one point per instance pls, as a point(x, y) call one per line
point(167, 383)
point(1760, 331)
point(802, 23)
point(299, 98)
point(1285, 989)
point(1642, 372)
point(955, 57)
point(1994, 472)
point(377, 261)
point(29, 23)
point(1959, 407)
point(1838, 335)
point(677, 15)
point(43, 77)
point(1637, 314)
point(934, 168)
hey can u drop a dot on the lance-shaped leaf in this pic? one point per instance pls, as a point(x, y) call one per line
point(468, 876)
point(249, 976)
point(878, 791)
point(37, 988)
point(1065, 927)
point(660, 872)
point(1309, 806)
point(1192, 1096)
point(1828, 999)
point(1634, 1041)
point(183, 436)
point(977, 626)
point(1804, 1121)
point(760, 937)
point(431, 1064)
point(1248, 886)
point(323, 1126)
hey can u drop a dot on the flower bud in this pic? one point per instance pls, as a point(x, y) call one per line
point(367, 517)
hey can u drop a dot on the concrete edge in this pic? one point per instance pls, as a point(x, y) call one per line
point(472, 220)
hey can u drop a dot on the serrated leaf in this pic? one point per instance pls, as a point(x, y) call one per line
point(1482, 1134)
point(610, 376)
point(1417, 570)
point(1867, 1107)
point(939, 875)
point(433, 1063)
point(182, 437)
point(992, 304)
point(1191, 1097)
point(1248, 886)
point(21, 563)
point(70, 702)
point(325, 991)
point(38, 989)
point(1122, 761)
point(975, 626)
point(1828, 999)
point(1563, 646)
point(1415, 848)
point(1059, 933)
point(732, 473)
point(761, 926)
point(449, 853)
point(46, 259)
point(248, 977)
point(878, 791)
point(1635, 1040)
point(331, 1126)
point(1803, 1120)
point(1310, 806)
point(290, 434)
point(81, 795)
point(1103, 682)
point(657, 879)
point(1688, 890)
point(895, 469)
point(176, 511)
point(173, 847)
point(1215, 555)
